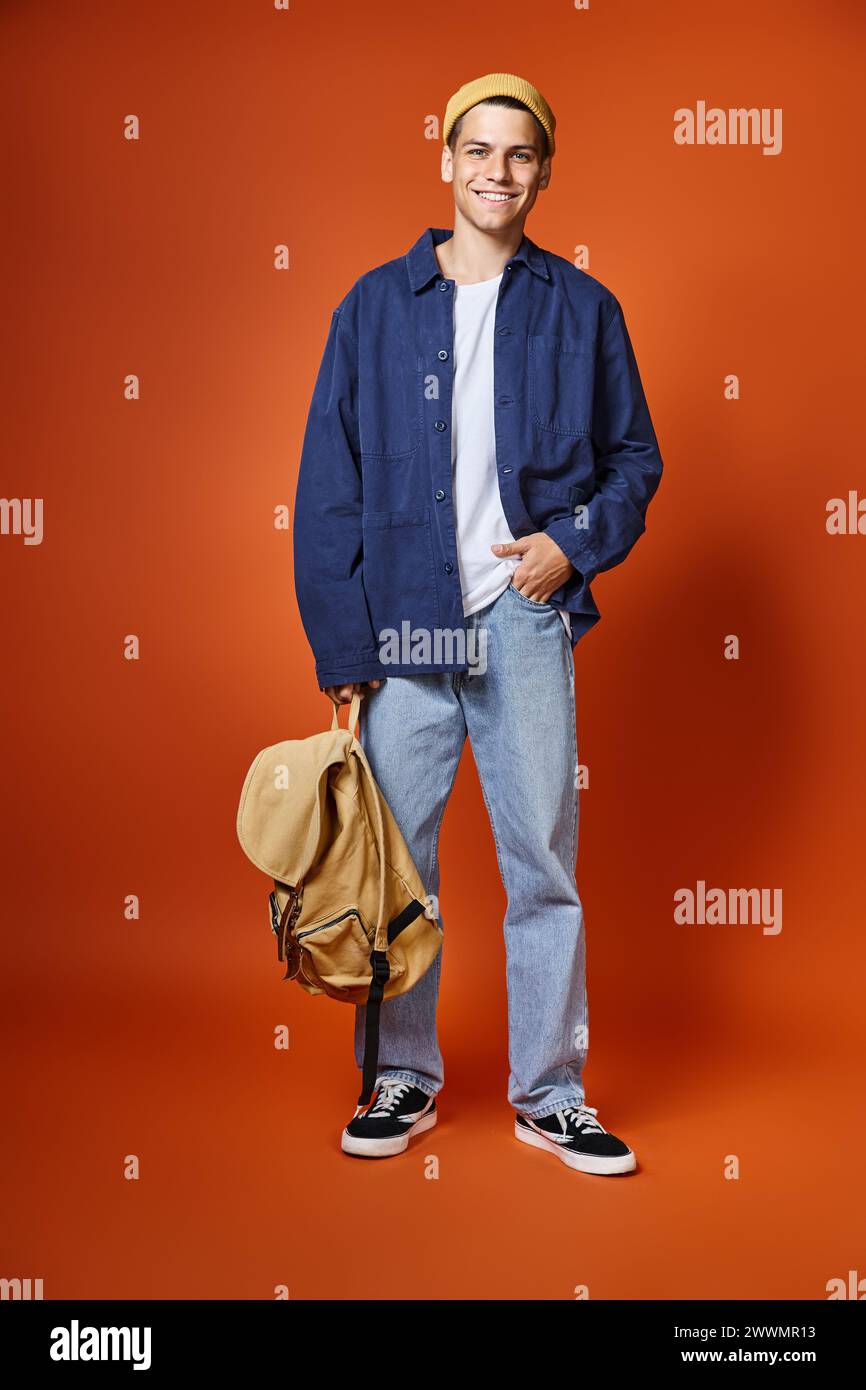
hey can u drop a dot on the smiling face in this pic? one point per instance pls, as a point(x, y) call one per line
point(496, 167)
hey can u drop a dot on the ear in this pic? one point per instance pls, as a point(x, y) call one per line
point(546, 171)
point(447, 165)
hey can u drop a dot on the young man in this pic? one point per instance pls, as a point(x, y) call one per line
point(478, 449)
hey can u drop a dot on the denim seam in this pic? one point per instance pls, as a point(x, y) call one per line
point(508, 589)
point(569, 659)
point(576, 767)
point(435, 844)
point(492, 827)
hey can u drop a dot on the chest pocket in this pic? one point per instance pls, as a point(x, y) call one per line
point(561, 376)
point(390, 403)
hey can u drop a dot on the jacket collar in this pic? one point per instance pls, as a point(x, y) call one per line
point(422, 265)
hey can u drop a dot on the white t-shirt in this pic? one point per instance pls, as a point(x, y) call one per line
point(479, 518)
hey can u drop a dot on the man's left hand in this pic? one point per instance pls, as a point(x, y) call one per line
point(544, 565)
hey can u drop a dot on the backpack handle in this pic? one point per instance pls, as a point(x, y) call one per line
point(354, 709)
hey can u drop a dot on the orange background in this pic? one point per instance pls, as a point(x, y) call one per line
point(155, 1037)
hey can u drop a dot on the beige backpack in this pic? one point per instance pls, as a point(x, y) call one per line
point(349, 910)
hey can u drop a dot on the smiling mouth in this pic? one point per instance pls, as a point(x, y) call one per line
point(487, 196)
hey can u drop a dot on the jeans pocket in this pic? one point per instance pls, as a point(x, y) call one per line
point(530, 602)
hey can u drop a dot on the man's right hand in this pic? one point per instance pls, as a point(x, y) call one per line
point(342, 694)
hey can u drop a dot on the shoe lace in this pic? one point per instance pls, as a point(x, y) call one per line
point(581, 1117)
point(390, 1091)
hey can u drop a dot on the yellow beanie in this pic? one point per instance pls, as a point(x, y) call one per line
point(499, 84)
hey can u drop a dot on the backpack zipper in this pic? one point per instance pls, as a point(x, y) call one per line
point(353, 912)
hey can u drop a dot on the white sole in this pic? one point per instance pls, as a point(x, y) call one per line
point(584, 1163)
point(384, 1148)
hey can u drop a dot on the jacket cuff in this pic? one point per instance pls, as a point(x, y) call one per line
point(353, 669)
point(574, 542)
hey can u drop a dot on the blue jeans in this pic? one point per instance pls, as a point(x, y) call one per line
point(520, 717)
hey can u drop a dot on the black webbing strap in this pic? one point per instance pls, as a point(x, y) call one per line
point(403, 918)
point(381, 975)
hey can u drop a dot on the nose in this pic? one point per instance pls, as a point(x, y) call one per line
point(498, 168)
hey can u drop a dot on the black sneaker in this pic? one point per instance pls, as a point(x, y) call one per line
point(578, 1139)
point(398, 1111)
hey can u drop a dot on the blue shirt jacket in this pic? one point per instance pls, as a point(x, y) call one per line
point(375, 544)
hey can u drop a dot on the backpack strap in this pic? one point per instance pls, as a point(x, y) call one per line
point(380, 940)
point(381, 973)
point(385, 933)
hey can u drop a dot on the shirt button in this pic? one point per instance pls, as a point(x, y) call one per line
point(439, 494)
point(505, 400)
point(442, 355)
point(500, 331)
point(442, 285)
point(508, 470)
point(439, 425)
point(448, 567)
